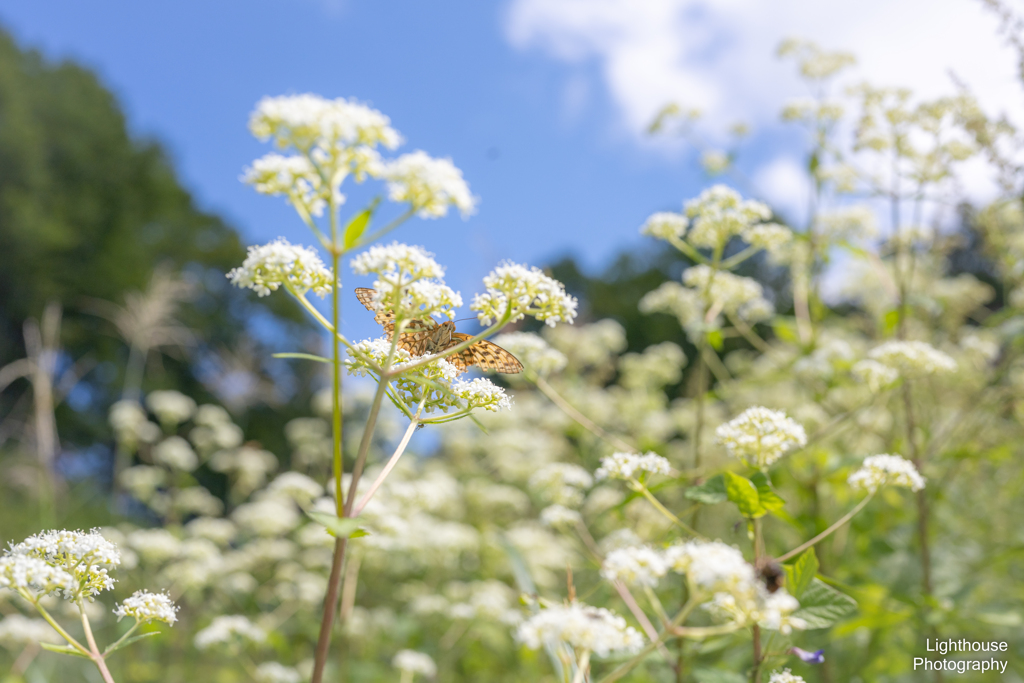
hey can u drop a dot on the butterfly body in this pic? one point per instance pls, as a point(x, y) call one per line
point(426, 337)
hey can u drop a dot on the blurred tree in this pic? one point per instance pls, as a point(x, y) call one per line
point(88, 213)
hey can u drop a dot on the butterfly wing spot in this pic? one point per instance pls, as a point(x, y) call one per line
point(485, 354)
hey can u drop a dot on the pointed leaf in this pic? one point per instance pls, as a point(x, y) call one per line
point(710, 492)
point(64, 650)
point(800, 574)
point(339, 527)
point(357, 226)
point(743, 493)
point(822, 606)
point(129, 641)
point(305, 356)
point(770, 500)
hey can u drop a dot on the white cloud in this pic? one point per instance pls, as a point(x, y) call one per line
point(783, 183)
point(720, 56)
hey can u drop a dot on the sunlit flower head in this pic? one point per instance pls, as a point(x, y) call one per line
point(304, 122)
point(408, 281)
point(631, 465)
point(429, 185)
point(144, 606)
point(784, 676)
point(760, 436)
point(878, 376)
point(561, 483)
point(641, 566)
point(278, 263)
point(294, 177)
point(719, 213)
point(556, 516)
point(583, 627)
point(534, 353)
point(176, 453)
point(481, 393)
point(913, 358)
point(710, 566)
point(415, 662)
point(886, 470)
point(34, 574)
point(733, 294)
point(514, 292)
point(228, 631)
point(665, 225)
point(171, 407)
point(86, 555)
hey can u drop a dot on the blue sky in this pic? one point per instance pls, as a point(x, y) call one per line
point(541, 103)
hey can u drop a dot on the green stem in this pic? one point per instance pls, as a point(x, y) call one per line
point(628, 666)
point(52, 622)
point(94, 651)
point(643, 490)
point(579, 417)
point(581, 668)
point(390, 464)
point(117, 643)
point(827, 532)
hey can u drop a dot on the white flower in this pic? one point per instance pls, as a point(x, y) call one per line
point(886, 470)
point(561, 483)
point(715, 162)
point(131, 425)
point(659, 365)
point(86, 555)
point(583, 627)
point(142, 481)
point(415, 662)
point(220, 531)
point(720, 213)
point(785, 676)
point(481, 393)
point(293, 176)
point(513, 292)
point(273, 672)
point(532, 351)
point(154, 545)
point(17, 630)
point(558, 515)
point(32, 573)
point(196, 500)
point(849, 223)
point(269, 266)
point(145, 606)
point(877, 376)
point(229, 630)
point(710, 566)
point(760, 436)
point(675, 299)
point(307, 121)
point(429, 185)
point(733, 294)
point(665, 225)
point(297, 486)
point(269, 517)
point(753, 604)
point(641, 566)
point(629, 465)
point(171, 407)
point(176, 453)
point(408, 281)
point(771, 237)
point(913, 358)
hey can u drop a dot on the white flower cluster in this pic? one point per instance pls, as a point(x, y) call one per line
point(561, 483)
point(409, 281)
point(771, 237)
point(307, 122)
point(849, 223)
point(734, 294)
point(22, 572)
point(532, 351)
point(515, 291)
point(913, 358)
point(675, 299)
point(277, 263)
point(629, 465)
point(85, 555)
point(760, 436)
point(131, 425)
point(878, 376)
point(639, 566)
point(274, 672)
point(785, 676)
point(429, 185)
point(171, 407)
point(176, 453)
point(659, 365)
point(886, 470)
point(719, 213)
point(17, 630)
point(598, 630)
point(556, 516)
point(480, 393)
point(415, 662)
point(294, 177)
point(755, 605)
point(229, 630)
point(144, 606)
point(665, 225)
point(809, 110)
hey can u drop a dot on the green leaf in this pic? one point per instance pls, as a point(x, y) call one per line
point(710, 492)
point(715, 339)
point(64, 650)
point(357, 226)
point(892, 319)
point(822, 606)
point(786, 331)
point(306, 356)
point(718, 676)
point(743, 493)
point(800, 574)
point(770, 500)
point(339, 527)
point(129, 641)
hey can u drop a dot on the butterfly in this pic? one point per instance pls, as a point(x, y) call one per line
point(427, 337)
